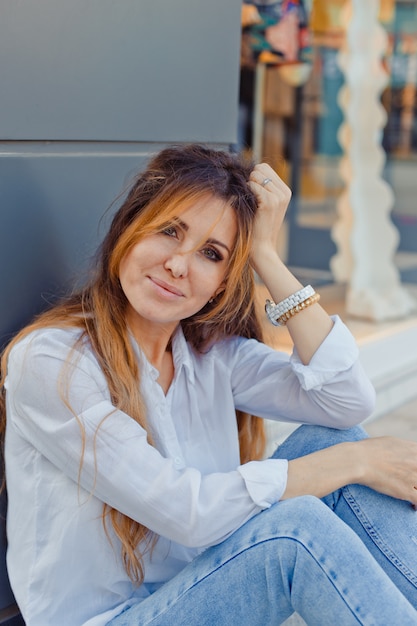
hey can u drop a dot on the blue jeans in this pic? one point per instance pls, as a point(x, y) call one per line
point(348, 559)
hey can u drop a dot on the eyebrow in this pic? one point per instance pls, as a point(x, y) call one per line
point(219, 243)
point(211, 240)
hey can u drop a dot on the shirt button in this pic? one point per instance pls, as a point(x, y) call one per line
point(178, 462)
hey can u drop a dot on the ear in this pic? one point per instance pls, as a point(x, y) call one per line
point(219, 289)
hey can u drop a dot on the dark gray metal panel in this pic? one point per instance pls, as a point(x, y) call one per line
point(55, 208)
point(131, 70)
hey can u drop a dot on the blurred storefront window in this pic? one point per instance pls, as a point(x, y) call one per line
point(301, 123)
point(400, 136)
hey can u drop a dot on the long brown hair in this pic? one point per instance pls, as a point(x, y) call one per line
point(173, 179)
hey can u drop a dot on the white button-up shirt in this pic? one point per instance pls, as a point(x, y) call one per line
point(189, 487)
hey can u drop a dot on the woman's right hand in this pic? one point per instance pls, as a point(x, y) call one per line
point(388, 465)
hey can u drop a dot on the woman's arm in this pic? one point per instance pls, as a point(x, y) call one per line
point(386, 464)
point(326, 384)
point(308, 328)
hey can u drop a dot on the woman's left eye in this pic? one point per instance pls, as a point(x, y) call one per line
point(212, 254)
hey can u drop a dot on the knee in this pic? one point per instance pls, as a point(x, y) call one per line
point(332, 436)
point(298, 526)
point(298, 516)
point(312, 527)
point(307, 439)
point(302, 509)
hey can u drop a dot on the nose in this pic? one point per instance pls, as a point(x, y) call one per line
point(177, 264)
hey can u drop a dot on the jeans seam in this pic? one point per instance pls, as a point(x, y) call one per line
point(376, 537)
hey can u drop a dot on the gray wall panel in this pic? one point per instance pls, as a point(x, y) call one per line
point(131, 70)
point(55, 209)
point(89, 89)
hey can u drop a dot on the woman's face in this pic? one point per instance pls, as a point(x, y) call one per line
point(172, 274)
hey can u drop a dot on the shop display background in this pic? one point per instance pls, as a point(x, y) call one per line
point(313, 210)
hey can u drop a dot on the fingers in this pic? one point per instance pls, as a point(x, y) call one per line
point(263, 175)
point(273, 197)
point(393, 464)
point(265, 182)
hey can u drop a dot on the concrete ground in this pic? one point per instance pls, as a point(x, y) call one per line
point(402, 422)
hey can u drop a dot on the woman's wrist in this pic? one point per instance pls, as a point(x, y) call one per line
point(357, 458)
point(324, 471)
point(275, 275)
point(349, 458)
point(265, 257)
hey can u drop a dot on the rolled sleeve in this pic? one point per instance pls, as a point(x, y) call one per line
point(336, 354)
point(265, 480)
point(331, 390)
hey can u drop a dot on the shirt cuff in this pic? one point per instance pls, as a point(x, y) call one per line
point(336, 354)
point(265, 480)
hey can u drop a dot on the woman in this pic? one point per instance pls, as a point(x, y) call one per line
point(135, 493)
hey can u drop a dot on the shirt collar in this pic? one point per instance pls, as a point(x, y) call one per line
point(181, 352)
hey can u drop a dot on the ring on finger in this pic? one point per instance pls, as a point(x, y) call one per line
point(265, 181)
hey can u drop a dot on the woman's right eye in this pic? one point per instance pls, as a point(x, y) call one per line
point(171, 231)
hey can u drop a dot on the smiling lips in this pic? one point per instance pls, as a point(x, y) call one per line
point(166, 287)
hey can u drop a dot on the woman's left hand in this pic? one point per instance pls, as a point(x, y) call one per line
point(273, 198)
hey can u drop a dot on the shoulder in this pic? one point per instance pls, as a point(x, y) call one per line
point(46, 358)
point(48, 336)
point(56, 343)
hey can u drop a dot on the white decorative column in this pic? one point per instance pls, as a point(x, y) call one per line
point(364, 234)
